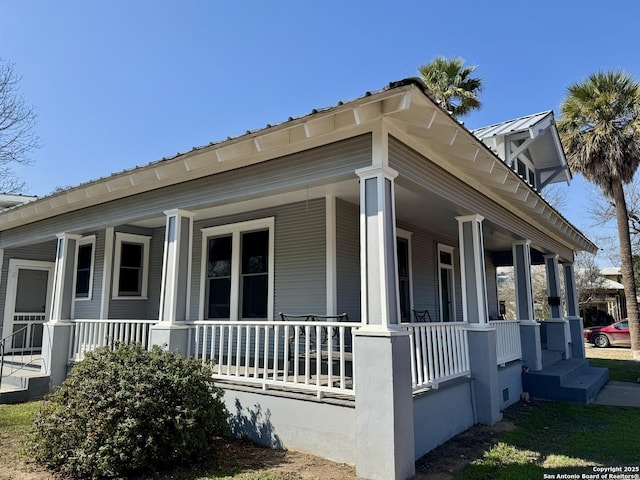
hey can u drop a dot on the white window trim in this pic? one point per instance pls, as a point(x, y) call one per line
point(529, 167)
point(406, 235)
point(235, 229)
point(447, 249)
point(131, 238)
point(89, 239)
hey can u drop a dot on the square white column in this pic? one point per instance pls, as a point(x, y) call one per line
point(522, 277)
point(176, 266)
point(472, 269)
point(171, 332)
point(382, 362)
point(379, 272)
point(553, 286)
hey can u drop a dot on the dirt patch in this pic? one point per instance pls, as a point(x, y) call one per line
point(13, 466)
point(448, 459)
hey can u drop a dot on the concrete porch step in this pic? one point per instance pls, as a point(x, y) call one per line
point(22, 385)
point(549, 358)
point(572, 380)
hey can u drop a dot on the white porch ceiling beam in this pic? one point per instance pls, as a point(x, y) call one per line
point(513, 154)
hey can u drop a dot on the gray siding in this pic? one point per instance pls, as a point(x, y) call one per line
point(155, 273)
point(300, 256)
point(348, 259)
point(136, 308)
point(90, 308)
point(327, 164)
point(424, 264)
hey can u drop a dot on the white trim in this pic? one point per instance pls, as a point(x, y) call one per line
point(187, 312)
point(451, 268)
point(1, 262)
point(89, 239)
point(526, 248)
point(406, 235)
point(143, 240)
point(60, 272)
point(372, 237)
point(107, 266)
point(15, 264)
point(172, 254)
point(331, 248)
point(167, 289)
point(235, 229)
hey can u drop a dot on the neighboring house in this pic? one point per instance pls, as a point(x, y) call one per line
point(605, 299)
point(375, 207)
point(9, 200)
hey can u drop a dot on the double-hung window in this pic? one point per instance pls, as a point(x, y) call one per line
point(237, 271)
point(131, 266)
point(85, 252)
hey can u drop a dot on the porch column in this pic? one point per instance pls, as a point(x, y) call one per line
point(56, 334)
point(382, 370)
point(171, 332)
point(530, 339)
point(573, 312)
point(558, 334)
point(483, 356)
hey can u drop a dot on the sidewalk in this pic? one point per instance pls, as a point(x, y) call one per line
point(620, 394)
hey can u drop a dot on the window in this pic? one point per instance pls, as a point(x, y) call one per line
point(446, 283)
point(404, 274)
point(131, 266)
point(84, 267)
point(526, 170)
point(237, 272)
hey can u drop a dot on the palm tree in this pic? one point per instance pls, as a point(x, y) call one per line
point(451, 83)
point(600, 130)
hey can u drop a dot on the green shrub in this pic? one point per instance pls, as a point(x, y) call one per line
point(128, 410)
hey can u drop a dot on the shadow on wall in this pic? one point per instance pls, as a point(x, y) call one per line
point(254, 424)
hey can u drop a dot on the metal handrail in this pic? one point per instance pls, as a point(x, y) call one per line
point(3, 351)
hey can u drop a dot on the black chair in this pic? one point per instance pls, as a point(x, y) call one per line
point(422, 316)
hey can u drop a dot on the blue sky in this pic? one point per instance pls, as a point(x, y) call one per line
point(118, 84)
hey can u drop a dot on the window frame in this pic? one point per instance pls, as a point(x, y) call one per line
point(442, 248)
point(145, 241)
point(88, 240)
point(235, 230)
point(405, 235)
point(529, 170)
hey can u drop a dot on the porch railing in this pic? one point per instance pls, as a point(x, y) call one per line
point(16, 348)
point(508, 347)
point(87, 335)
point(300, 355)
point(439, 352)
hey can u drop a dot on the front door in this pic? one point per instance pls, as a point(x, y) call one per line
point(27, 303)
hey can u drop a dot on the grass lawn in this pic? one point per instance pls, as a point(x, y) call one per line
point(617, 360)
point(551, 438)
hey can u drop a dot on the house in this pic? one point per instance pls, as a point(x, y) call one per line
point(604, 300)
point(381, 208)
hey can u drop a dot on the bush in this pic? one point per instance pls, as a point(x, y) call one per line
point(128, 410)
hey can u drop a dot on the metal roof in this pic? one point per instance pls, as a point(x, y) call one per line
point(511, 126)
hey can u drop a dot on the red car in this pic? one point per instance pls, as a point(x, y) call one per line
point(614, 334)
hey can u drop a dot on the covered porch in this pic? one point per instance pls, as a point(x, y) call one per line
point(382, 209)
